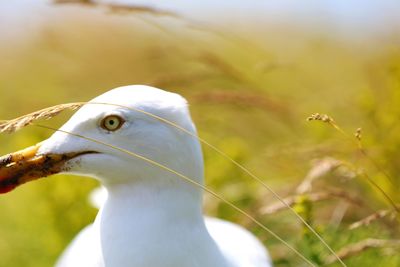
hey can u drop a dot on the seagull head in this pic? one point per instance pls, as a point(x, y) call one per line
point(116, 138)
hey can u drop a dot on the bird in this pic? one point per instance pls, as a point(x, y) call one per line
point(150, 217)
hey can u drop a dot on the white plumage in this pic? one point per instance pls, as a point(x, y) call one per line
point(151, 217)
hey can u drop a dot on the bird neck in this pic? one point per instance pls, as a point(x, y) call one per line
point(138, 222)
point(181, 203)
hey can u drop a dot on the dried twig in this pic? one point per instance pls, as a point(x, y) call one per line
point(357, 248)
point(14, 125)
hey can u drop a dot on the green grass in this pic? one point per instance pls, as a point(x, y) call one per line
point(250, 96)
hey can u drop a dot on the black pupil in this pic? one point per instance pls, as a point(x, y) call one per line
point(111, 122)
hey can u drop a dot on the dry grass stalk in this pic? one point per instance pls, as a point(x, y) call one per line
point(313, 197)
point(371, 218)
point(139, 9)
point(320, 168)
point(218, 63)
point(382, 191)
point(360, 247)
point(11, 126)
point(357, 141)
point(120, 8)
point(243, 99)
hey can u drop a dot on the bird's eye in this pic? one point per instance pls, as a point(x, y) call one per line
point(112, 123)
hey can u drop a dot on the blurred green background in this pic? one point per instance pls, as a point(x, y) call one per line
point(250, 87)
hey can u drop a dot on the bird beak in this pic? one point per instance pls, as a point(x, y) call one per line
point(27, 165)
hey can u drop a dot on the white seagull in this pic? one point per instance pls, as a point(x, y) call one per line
point(151, 217)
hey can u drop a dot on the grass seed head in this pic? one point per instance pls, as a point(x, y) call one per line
point(11, 126)
point(320, 117)
point(358, 134)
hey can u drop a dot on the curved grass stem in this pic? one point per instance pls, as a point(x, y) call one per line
point(189, 180)
point(14, 125)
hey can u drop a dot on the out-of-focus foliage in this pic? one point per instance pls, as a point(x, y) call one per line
point(250, 95)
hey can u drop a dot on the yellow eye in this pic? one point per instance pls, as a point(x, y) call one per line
point(112, 123)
